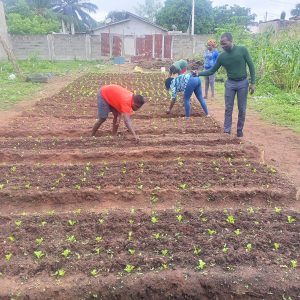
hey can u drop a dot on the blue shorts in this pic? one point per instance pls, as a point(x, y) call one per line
point(103, 107)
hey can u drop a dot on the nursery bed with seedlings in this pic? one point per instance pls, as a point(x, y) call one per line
point(188, 213)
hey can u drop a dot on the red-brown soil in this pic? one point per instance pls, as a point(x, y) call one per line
point(161, 199)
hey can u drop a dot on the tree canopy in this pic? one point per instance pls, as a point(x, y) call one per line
point(296, 11)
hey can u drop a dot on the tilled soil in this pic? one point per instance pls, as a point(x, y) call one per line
point(188, 213)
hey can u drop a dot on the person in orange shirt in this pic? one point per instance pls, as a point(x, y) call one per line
point(121, 102)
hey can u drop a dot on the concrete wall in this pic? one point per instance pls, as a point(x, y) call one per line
point(3, 31)
point(90, 47)
point(188, 46)
point(131, 27)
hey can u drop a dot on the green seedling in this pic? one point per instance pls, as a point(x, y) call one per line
point(71, 222)
point(99, 239)
point(124, 170)
point(230, 219)
point(39, 241)
point(154, 219)
point(294, 264)
point(179, 218)
point(201, 264)
point(51, 213)
point(101, 221)
point(278, 210)
point(8, 256)
point(225, 248)
point(98, 250)
point(250, 210)
point(39, 254)
point(13, 169)
point(211, 232)
point(164, 252)
point(1, 186)
point(130, 234)
point(66, 253)
point(157, 235)
point(139, 187)
point(291, 220)
point(197, 250)
point(18, 223)
point(77, 211)
point(43, 223)
point(276, 246)
point(248, 247)
point(129, 268)
point(71, 238)
point(165, 266)
point(183, 186)
point(27, 186)
point(237, 231)
point(94, 272)
point(131, 251)
point(60, 273)
point(11, 238)
point(153, 199)
point(77, 187)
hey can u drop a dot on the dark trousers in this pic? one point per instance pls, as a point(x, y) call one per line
point(232, 88)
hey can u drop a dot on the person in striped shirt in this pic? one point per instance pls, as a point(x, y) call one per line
point(188, 84)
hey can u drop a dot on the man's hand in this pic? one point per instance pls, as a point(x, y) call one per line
point(252, 88)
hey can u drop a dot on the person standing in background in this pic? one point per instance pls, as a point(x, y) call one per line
point(210, 57)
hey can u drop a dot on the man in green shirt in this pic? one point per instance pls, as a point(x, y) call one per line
point(234, 59)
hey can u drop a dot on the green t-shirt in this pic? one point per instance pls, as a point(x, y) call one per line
point(234, 63)
point(180, 64)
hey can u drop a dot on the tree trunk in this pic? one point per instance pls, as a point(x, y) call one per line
point(11, 57)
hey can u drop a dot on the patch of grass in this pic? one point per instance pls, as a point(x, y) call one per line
point(275, 106)
point(14, 91)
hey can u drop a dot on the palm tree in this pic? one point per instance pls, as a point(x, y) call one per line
point(74, 13)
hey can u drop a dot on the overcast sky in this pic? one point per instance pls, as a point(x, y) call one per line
point(259, 7)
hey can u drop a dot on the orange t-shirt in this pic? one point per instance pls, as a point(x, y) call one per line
point(117, 97)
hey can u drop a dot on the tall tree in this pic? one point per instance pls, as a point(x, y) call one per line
point(178, 13)
point(149, 9)
point(232, 14)
point(75, 12)
point(296, 11)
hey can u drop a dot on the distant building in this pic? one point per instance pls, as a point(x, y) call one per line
point(131, 25)
point(278, 24)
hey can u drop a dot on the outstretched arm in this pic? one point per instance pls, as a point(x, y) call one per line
point(213, 70)
point(128, 124)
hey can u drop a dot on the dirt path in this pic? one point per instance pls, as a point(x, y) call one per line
point(280, 147)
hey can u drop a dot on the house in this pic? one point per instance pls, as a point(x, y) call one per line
point(131, 25)
point(279, 24)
